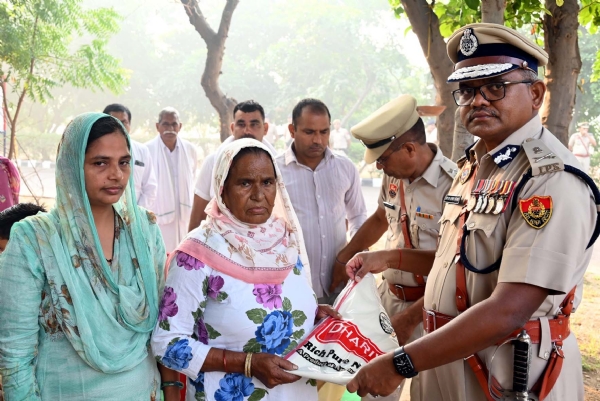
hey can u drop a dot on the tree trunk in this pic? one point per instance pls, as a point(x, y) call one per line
point(564, 64)
point(215, 43)
point(426, 25)
point(492, 11)
point(462, 137)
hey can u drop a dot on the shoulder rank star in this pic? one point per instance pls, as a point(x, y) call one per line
point(536, 210)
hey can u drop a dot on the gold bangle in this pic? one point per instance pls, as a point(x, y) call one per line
point(248, 365)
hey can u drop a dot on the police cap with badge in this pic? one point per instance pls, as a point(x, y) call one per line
point(387, 123)
point(487, 50)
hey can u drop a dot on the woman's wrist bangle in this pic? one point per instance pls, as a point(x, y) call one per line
point(224, 362)
point(176, 383)
point(338, 261)
point(248, 365)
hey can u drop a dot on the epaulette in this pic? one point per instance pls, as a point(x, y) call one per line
point(541, 158)
point(449, 167)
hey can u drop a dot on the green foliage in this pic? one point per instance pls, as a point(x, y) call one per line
point(45, 44)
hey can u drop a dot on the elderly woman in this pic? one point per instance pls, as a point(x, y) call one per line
point(79, 285)
point(10, 183)
point(238, 295)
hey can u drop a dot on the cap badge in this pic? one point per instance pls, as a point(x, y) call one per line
point(468, 42)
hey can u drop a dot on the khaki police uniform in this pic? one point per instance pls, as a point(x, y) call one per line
point(541, 242)
point(424, 203)
point(423, 199)
point(551, 257)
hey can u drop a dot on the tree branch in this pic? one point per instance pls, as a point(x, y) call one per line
point(197, 19)
point(226, 18)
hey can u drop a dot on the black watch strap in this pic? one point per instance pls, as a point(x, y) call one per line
point(403, 364)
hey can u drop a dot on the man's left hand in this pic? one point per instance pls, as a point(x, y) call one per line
point(378, 377)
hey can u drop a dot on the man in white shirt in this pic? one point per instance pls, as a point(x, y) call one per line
point(325, 191)
point(144, 178)
point(174, 160)
point(582, 145)
point(340, 137)
point(248, 122)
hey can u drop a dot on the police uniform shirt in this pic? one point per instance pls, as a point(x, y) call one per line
point(552, 257)
point(424, 201)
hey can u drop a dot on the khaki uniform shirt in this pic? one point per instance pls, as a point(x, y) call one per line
point(424, 195)
point(552, 257)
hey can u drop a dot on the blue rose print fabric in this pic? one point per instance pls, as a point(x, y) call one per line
point(202, 308)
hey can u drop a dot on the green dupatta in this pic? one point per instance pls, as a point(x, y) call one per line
point(107, 322)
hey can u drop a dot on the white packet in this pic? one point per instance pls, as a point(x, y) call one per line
point(335, 349)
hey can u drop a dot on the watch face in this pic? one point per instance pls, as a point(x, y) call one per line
point(403, 364)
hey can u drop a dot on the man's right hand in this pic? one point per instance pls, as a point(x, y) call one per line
point(339, 275)
point(371, 262)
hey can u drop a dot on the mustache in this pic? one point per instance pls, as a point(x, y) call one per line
point(485, 110)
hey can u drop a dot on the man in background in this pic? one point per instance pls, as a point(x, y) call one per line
point(324, 188)
point(417, 177)
point(248, 122)
point(582, 145)
point(339, 138)
point(174, 161)
point(143, 174)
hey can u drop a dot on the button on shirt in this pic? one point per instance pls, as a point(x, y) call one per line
point(323, 199)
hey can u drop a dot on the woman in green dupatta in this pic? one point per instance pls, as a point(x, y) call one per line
point(79, 285)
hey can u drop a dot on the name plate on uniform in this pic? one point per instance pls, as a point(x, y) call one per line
point(389, 205)
point(139, 163)
point(453, 199)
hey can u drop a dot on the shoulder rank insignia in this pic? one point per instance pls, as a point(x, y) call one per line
point(536, 210)
point(541, 158)
point(393, 190)
point(466, 172)
point(506, 155)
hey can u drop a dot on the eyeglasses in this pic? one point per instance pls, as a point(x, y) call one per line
point(490, 92)
point(381, 160)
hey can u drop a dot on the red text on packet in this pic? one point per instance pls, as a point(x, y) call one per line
point(348, 336)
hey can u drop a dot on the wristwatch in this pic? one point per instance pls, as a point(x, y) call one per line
point(403, 364)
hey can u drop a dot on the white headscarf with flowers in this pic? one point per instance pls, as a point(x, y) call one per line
point(263, 253)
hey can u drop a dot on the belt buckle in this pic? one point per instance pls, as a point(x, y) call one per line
point(431, 314)
point(402, 288)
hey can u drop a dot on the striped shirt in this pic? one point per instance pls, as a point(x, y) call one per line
point(323, 200)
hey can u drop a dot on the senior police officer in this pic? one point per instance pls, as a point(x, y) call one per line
point(417, 178)
point(505, 279)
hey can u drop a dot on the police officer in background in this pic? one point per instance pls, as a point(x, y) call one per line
point(505, 278)
point(417, 178)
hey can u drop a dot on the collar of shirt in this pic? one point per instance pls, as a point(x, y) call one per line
point(432, 173)
point(290, 156)
point(165, 146)
point(532, 129)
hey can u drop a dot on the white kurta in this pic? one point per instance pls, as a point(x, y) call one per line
point(143, 175)
point(175, 176)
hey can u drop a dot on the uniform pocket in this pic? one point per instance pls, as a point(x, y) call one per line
point(448, 228)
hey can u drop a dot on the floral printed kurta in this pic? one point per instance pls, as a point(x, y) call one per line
point(203, 308)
